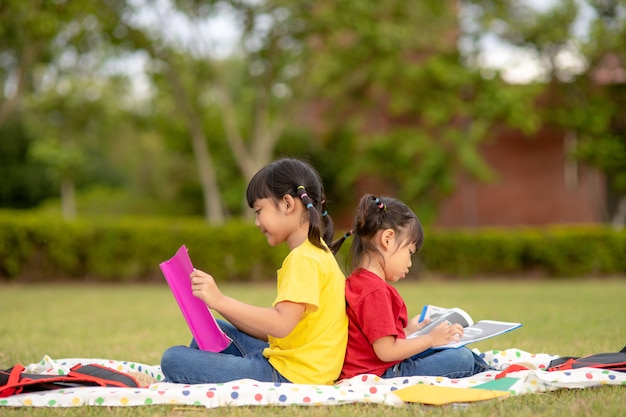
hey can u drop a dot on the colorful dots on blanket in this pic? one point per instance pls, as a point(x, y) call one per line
point(364, 388)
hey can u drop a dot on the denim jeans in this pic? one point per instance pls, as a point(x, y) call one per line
point(243, 358)
point(449, 363)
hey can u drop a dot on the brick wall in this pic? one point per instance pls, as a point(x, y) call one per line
point(534, 184)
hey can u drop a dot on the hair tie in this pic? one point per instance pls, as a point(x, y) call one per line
point(308, 206)
point(303, 194)
point(324, 213)
point(379, 204)
point(347, 234)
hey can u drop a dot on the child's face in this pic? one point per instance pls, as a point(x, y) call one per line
point(270, 219)
point(398, 262)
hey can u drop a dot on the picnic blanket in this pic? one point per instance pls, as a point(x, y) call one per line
point(530, 378)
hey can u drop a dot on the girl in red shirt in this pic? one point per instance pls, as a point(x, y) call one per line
point(386, 233)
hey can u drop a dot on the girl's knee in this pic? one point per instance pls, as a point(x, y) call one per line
point(468, 355)
point(463, 358)
point(170, 357)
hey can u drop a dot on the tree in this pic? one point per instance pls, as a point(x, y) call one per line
point(54, 49)
point(253, 88)
point(584, 75)
point(389, 78)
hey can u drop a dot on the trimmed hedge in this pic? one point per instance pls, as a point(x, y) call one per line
point(34, 247)
point(573, 251)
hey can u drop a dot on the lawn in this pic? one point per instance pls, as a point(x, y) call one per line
point(138, 322)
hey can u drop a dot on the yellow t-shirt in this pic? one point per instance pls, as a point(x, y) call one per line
point(313, 352)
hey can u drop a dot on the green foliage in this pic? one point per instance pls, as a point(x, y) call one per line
point(584, 96)
point(555, 252)
point(372, 92)
point(24, 182)
point(607, 153)
point(38, 247)
point(416, 112)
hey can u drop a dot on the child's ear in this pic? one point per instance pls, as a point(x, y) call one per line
point(288, 202)
point(387, 237)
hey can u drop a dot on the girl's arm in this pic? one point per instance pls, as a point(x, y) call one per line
point(390, 348)
point(259, 322)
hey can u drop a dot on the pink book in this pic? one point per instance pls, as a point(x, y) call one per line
point(200, 320)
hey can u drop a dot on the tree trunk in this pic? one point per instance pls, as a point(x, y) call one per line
point(212, 199)
point(28, 57)
point(619, 218)
point(68, 199)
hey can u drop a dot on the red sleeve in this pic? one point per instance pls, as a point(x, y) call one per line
point(375, 316)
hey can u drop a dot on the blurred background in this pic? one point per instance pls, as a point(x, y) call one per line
point(475, 113)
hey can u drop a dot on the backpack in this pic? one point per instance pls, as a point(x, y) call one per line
point(15, 381)
point(614, 361)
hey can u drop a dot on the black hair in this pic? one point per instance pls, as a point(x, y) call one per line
point(374, 214)
point(300, 180)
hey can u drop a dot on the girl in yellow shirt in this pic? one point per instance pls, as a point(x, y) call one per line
point(302, 337)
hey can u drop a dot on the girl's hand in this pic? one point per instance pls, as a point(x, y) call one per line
point(204, 287)
point(446, 333)
point(414, 324)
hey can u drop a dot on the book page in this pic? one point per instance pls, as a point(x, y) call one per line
point(434, 312)
point(482, 330)
point(472, 332)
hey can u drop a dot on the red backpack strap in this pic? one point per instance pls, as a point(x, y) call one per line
point(510, 369)
point(563, 366)
point(103, 376)
point(14, 381)
point(12, 385)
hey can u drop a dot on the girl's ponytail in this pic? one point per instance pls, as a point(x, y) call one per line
point(315, 217)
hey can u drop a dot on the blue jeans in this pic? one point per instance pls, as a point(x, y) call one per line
point(243, 358)
point(449, 363)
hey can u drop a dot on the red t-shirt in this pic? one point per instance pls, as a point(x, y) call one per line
point(375, 309)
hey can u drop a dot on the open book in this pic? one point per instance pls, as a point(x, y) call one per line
point(472, 332)
point(200, 320)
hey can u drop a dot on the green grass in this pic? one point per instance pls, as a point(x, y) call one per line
point(573, 317)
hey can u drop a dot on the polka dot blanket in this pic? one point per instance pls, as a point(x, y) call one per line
point(529, 377)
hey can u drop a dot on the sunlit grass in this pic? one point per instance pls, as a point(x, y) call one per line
point(137, 323)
